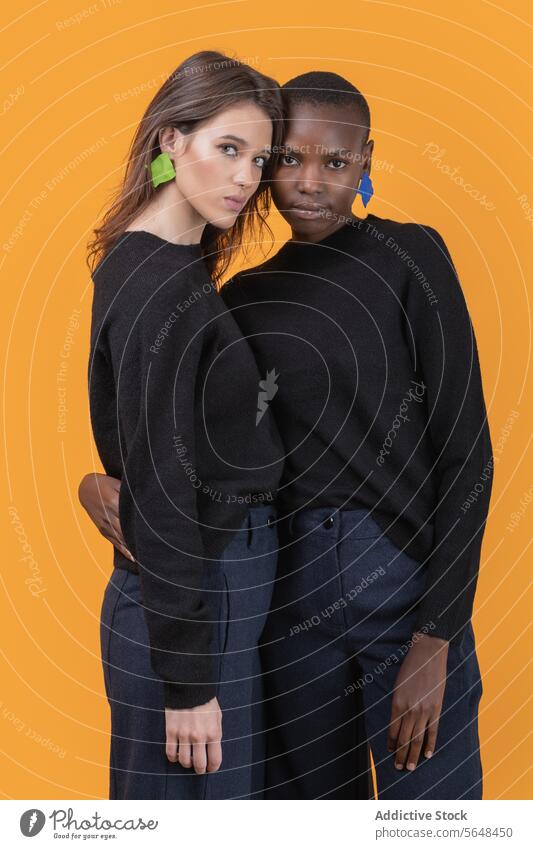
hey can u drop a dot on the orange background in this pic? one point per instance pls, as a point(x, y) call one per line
point(453, 75)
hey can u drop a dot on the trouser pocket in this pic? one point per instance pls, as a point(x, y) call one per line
point(112, 595)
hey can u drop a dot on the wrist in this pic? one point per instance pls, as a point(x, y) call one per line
point(429, 639)
point(183, 697)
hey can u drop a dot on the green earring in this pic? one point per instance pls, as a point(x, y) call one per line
point(162, 169)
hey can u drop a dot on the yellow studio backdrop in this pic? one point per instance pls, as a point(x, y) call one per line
point(448, 89)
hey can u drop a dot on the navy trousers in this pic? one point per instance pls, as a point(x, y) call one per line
point(242, 582)
point(341, 622)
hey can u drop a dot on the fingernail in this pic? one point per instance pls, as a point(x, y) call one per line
point(410, 766)
point(399, 766)
point(429, 753)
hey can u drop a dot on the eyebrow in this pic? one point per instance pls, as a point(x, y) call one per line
point(288, 148)
point(240, 141)
point(341, 150)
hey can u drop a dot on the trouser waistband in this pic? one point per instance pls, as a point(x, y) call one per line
point(359, 523)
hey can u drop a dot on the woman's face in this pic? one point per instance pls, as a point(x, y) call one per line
point(323, 156)
point(219, 165)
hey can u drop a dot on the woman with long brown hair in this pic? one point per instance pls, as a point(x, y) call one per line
point(174, 406)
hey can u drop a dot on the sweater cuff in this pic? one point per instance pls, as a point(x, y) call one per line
point(429, 622)
point(182, 696)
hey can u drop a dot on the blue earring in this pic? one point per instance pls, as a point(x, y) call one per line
point(366, 189)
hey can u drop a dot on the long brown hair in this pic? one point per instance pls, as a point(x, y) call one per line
point(200, 87)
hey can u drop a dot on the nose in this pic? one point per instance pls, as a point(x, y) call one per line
point(245, 176)
point(309, 181)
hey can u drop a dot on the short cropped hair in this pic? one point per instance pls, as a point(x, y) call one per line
point(320, 88)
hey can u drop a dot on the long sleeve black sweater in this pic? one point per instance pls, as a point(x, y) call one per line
point(173, 392)
point(379, 402)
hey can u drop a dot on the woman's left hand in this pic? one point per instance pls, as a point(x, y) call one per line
point(417, 700)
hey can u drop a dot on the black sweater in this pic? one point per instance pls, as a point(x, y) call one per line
point(173, 392)
point(379, 402)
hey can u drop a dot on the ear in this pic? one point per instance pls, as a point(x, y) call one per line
point(172, 141)
point(367, 156)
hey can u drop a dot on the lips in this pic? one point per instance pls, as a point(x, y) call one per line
point(234, 202)
point(308, 205)
point(308, 210)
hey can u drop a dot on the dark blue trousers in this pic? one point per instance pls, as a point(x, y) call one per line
point(241, 584)
point(341, 622)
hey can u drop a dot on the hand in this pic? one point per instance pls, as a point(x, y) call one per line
point(417, 700)
point(194, 737)
point(99, 495)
